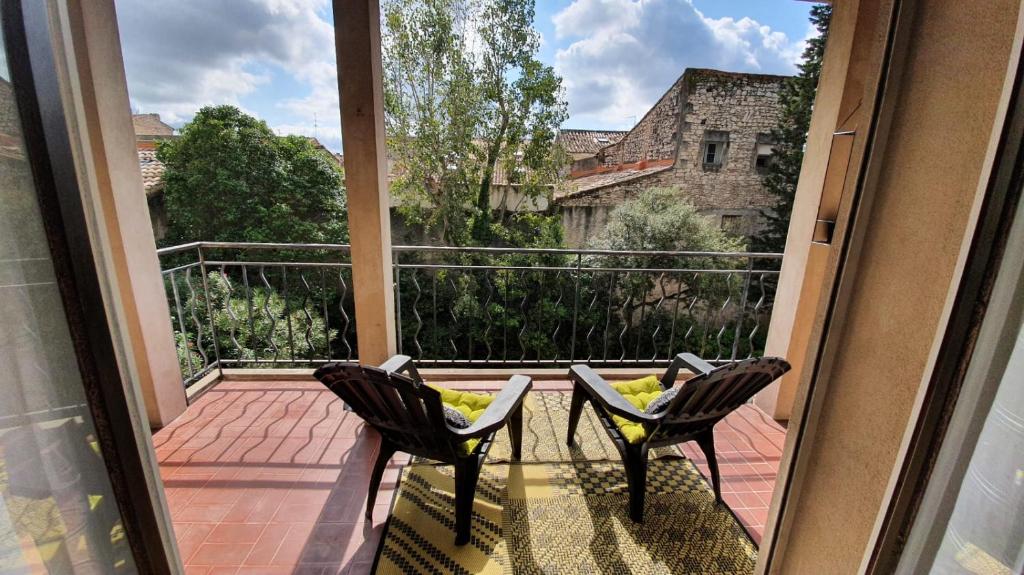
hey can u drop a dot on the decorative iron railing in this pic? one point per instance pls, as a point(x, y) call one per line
point(284, 305)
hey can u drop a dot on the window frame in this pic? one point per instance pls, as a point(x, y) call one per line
point(720, 140)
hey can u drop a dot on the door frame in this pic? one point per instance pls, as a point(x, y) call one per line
point(851, 231)
point(35, 75)
point(984, 317)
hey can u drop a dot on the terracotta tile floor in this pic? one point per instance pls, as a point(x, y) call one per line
point(270, 477)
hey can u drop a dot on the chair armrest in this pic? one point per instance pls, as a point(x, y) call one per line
point(602, 392)
point(402, 363)
point(690, 362)
point(498, 412)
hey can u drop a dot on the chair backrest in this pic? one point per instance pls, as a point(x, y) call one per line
point(706, 399)
point(405, 412)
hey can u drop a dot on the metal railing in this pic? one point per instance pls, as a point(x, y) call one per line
point(244, 304)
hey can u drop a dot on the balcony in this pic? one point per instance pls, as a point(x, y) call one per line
point(266, 471)
point(270, 476)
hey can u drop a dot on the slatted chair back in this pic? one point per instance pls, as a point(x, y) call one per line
point(704, 400)
point(405, 412)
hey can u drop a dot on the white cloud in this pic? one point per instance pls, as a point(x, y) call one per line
point(624, 54)
point(182, 55)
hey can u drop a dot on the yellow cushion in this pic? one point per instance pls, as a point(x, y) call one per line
point(471, 405)
point(638, 392)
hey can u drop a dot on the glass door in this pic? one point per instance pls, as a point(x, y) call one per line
point(985, 533)
point(58, 512)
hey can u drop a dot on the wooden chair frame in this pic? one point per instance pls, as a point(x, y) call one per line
point(701, 402)
point(409, 417)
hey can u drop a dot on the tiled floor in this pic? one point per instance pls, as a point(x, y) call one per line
point(270, 477)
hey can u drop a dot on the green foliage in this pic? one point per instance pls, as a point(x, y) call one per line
point(521, 312)
point(661, 219)
point(797, 101)
point(189, 360)
point(229, 178)
point(261, 326)
point(530, 230)
point(465, 97)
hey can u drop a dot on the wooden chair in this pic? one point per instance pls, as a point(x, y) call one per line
point(409, 416)
point(699, 404)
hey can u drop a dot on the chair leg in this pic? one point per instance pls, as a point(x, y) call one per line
point(635, 460)
point(515, 433)
point(386, 451)
point(579, 397)
point(467, 471)
point(706, 442)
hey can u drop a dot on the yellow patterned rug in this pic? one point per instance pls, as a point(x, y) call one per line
point(562, 512)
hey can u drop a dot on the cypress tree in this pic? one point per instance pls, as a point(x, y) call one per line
point(790, 136)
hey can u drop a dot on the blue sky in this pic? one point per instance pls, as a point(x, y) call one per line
point(787, 16)
point(275, 58)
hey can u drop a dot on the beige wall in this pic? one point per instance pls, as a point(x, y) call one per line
point(109, 162)
point(839, 94)
point(902, 268)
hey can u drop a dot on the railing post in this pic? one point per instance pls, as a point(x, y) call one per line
point(287, 312)
point(209, 310)
point(575, 307)
point(398, 300)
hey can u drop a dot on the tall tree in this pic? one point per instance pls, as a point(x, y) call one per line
point(229, 178)
point(466, 97)
point(797, 101)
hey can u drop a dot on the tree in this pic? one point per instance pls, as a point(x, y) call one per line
point(661, 220)
point(797, 101)
point(229, 178)
point(466, 97)
point(648, 296)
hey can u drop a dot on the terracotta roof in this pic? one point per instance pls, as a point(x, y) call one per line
point(336, 157)
point(587, 184)
point(152, 168)
point(588, 141)
point(150, 125)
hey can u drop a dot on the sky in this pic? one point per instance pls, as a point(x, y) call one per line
point(275, 58)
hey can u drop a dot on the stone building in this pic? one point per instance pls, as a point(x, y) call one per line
point(707, 136)
point(149, 130)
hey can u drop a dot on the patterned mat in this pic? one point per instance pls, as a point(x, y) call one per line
point(563, 516)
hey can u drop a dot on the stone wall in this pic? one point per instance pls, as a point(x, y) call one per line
point(742, 105)
point(655, 135)
point(581, 224)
